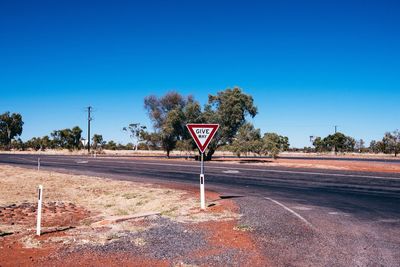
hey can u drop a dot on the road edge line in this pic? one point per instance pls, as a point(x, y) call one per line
point(292, 212)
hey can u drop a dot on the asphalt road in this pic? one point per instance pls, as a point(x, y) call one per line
point(299, 217)
point(392, 160)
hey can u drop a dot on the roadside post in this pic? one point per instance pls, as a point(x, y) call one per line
point(202, 135)
point(38, 164)
point(39, 210)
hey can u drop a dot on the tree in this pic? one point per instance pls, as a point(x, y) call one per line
point(174, 129)
point(184, 145)
point(10, 127)
point(136, 132)
point(111, 145)
point(47, 142)
point(168, 117)
point(284, 143)
point(17, 144)
point(334, 142)
point(378, 146)
point(274, 143)
point(360, 146)
point(319, 144)
point(248, 139)
point(152, 140)
point(97, 141)
point(229, 109)
point(76, 137)
point(34, 143)
point(373, 147)
point(37, 143)
point(339, 142)
point(245, 140)
point(67, 138)
point(392, 142)
point(172, 112)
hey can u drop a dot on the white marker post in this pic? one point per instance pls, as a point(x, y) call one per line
point(202, 135)
point(202, 191)
point(38, 164)
point(39, 210)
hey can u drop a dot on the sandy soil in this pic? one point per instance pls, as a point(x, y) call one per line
point(94, 221)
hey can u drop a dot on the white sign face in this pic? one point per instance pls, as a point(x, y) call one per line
point(202, 134)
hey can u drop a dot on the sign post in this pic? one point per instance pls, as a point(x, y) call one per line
point(202, 135)
point(39, 210)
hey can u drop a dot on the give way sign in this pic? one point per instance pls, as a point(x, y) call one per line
point(202, 134)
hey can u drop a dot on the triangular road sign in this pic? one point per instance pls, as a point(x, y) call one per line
point(202, 134)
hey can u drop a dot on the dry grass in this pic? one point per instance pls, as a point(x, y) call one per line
point(103, 196)
point(106, 199)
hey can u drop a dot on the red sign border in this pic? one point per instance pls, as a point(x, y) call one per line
point(190, 127)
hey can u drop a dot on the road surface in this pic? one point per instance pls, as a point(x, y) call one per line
point(298, 217)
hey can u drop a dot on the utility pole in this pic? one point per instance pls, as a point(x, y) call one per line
point(89, 109)
point(335, 144)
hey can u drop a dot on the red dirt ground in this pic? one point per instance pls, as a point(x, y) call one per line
point(220, 236)
point(54, 214)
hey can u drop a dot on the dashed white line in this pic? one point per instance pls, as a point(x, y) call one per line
point(231, 171)
point(291, 211)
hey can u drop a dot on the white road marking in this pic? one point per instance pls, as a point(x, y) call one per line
point(291, 211)
point(333, 213)
point(301, 208)
point(231, 171)
point(82, 161)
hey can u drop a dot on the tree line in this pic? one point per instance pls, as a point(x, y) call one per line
point(390, 144)
point(11, 126)
point(169, 115)
point(339, 142)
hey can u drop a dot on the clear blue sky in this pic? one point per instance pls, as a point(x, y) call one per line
point(308, 64)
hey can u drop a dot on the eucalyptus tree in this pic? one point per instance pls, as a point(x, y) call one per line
point(11, 126)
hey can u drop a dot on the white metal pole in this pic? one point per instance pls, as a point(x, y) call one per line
point(39, 211)
point(38, 164)
point(202, 193)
